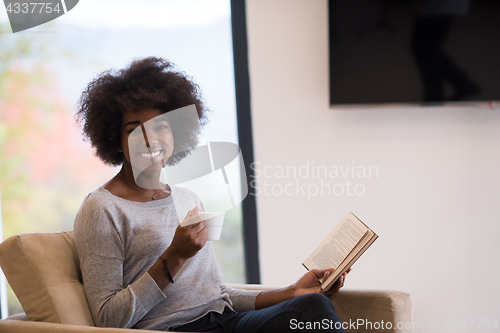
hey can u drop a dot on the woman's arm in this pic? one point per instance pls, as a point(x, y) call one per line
point(307, 284)
point(100, 247)
point(186, 243)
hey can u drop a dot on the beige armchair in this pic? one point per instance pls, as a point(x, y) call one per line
point(43, 270)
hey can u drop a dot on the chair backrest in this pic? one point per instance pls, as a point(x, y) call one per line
point(44, 273)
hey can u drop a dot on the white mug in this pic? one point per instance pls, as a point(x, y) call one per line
point(213, 223)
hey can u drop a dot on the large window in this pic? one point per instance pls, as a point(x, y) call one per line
point(45, 167)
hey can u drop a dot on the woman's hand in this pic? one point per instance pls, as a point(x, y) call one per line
point(190, 239)
point(186, 243)
point(309, 282)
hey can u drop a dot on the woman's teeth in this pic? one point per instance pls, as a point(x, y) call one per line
point(152, 155)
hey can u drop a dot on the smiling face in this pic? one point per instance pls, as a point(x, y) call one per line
point(147, 141)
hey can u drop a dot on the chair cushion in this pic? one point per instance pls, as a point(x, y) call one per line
point(44, 273)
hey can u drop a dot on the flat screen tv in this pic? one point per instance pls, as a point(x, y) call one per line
point(422, 51)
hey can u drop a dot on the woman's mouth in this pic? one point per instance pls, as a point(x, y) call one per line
point(152, 154)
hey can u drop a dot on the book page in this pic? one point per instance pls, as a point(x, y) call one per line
point(338, 244)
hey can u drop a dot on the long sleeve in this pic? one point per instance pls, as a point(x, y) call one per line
point(101, 249)
point(242, 300)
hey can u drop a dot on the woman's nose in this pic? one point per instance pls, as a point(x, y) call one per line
point(149, 136)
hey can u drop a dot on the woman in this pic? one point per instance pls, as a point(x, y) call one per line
point(140, 268)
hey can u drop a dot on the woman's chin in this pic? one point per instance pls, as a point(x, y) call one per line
point(149, 173)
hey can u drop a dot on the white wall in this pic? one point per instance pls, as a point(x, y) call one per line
point(434, 200)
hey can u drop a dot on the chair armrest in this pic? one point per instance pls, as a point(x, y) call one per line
point(21, 326)
point(370, 307)
point(18, 316)
point(19, 323)
point(252, 286)
point(360, 310)
point(364, 310)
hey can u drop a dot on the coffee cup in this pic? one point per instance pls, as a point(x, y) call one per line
point(213, 223)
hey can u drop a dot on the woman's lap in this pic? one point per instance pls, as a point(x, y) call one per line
point(313, 312)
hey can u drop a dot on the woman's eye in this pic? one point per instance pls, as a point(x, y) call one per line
point(162, 128)
point(135, 131)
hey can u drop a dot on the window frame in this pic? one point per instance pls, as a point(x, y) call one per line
point(245, 137)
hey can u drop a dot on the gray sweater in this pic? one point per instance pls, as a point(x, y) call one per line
point(119, 240)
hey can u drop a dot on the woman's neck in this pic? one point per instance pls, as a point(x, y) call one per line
point(144, 181)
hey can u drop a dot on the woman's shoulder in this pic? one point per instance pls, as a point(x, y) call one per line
point(100, 211)
point(98, 198)
point(182, 191)
point(100, 202)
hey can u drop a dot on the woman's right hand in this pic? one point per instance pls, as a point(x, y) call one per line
point(186, 243)
point(190, 239)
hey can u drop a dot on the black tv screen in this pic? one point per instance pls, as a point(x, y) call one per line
point(422, 51)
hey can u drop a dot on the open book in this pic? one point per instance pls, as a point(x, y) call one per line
point(341, 248)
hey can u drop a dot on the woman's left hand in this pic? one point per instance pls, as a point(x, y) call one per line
point(309, 282)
